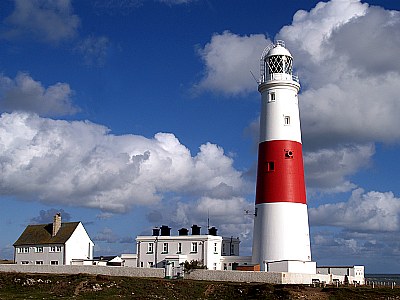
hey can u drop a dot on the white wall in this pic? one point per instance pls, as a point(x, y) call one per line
point(129, 260)
point(205, 249)
point(304, 267)
point(79, 245)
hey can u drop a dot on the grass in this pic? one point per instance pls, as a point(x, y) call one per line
point(82, 286)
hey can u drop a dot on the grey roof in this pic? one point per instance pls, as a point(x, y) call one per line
point(41, 234)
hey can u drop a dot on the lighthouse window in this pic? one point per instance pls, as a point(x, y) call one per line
point(270, 166)
point(271, 97)
point(287, 120)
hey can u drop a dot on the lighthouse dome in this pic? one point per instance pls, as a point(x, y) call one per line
point(279, 49)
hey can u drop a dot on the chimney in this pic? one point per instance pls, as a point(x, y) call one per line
point(183, 231)
point(212, 231)
point(195, 230)
point(56, 224)
point(156, 231)
point(165, 230)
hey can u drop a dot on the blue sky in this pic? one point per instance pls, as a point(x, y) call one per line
point(131, 114)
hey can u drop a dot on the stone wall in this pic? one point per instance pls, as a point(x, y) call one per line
point(94, 270)
point(267, 277)
point(236, 276)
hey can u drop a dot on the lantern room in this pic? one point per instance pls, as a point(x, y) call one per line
point(276, 63)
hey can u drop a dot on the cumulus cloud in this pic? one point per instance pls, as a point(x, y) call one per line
point(25, 94)
point(363, 212)
point(350, 72)
point(48, 20)
point(82, 164)
point(310, 30)
point(228, 60)
point(355, 110)
point(327, 170)
point(360, 230)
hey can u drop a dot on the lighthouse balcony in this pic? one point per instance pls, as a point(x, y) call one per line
point(280, 77)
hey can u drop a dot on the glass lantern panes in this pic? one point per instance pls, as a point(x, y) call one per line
point(280, 64)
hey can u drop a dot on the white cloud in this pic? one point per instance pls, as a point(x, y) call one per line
point(49, 20)
point(82, 164)
point(369, 42)
point(228, 60)
point(364, 212)
point(25, 94)
point(327, 170)
point(310, 30)
point(355, 110)
point(346, 55)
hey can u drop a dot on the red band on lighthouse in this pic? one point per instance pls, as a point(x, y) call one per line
point(280, 175)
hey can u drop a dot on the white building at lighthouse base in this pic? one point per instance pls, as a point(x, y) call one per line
point(291, 266)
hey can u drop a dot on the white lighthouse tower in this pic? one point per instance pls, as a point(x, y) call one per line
point(281, 240)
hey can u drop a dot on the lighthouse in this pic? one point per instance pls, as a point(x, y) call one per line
point(281, 240)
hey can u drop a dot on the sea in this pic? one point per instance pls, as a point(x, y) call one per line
point(387, 278)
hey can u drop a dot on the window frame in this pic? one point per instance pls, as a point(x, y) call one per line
point(271, 97)
point(150, 248)
point(194, 247)
point(270, 166)
point(179, 248)
point(165, 248)
point(55, 249)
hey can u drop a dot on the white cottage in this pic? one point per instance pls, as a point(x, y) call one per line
point(213, 251)
point(56, 243)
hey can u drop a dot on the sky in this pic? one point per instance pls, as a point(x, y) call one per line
point(130, 114)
